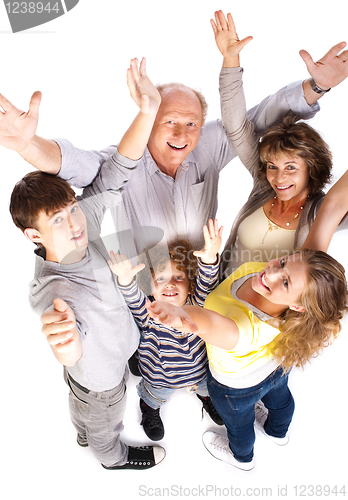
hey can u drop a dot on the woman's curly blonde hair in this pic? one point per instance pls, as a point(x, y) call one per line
point(303, 335)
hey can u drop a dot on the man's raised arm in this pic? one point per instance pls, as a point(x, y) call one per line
point(326, 73)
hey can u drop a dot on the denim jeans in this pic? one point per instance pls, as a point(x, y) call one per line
point(237, 409)
point(157, 396)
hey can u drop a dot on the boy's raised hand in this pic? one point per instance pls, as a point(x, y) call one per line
point(123, 268)
point(142, 90)
point(212, 242)
point(226, 38)
point(171, 316)
point(17, 128)
point(59, 327)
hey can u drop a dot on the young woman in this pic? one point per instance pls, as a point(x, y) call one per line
point(258, 323)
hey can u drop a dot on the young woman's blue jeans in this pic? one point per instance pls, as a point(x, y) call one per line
point(237, 409)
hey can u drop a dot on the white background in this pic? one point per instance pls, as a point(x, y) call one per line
point(79, 62)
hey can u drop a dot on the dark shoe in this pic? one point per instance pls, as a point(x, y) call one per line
point(210, 409)
point(141, 457)
point(82, 441)
point(151, 421)
point(133, 364)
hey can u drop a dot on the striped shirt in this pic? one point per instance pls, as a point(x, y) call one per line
point(165, 358)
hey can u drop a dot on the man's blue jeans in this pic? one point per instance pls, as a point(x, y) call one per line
point(237, 409)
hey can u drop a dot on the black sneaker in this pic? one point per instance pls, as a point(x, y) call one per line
point(133, 364)
point(82, 440)
point(210, 409)
point(151, 421)
point(141, 457)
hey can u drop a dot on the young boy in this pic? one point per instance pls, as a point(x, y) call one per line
point(90, 329)
point(167, 360)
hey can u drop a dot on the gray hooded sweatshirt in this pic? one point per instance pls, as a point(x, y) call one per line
point(107, 330)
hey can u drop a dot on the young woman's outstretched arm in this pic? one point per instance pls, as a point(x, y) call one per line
point(211, 326)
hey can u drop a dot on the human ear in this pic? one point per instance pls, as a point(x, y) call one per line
point(297, 308)
point(33, 235)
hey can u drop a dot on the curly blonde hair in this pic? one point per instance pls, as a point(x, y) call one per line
point(303, 335)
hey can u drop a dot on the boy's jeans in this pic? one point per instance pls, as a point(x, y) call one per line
point(236, 408)
point(157, 396)
point(97, 417)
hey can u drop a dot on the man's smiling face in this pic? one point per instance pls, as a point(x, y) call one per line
point(177, 128)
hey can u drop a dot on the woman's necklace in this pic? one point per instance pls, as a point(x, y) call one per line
point(271, 224)
point(295, 216)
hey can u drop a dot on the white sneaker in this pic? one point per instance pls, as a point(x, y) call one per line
point(218, 447)
point(261, 414)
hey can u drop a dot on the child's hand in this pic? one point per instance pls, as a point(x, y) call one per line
point(226, 37)
point(212, 242)
point(171, 316)
point(59, 327)
point(123, 268)
point(142, 90)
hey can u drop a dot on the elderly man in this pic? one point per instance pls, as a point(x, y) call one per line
point(174, 191)
point(176, 184)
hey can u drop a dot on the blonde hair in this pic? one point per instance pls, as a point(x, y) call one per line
point(303, 335)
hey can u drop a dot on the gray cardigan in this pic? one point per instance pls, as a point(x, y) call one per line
point(244, 139)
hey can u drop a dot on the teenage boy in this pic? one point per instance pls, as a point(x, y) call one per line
point(90, 329)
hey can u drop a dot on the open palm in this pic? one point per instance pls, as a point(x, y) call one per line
point(142, 90)
point(18, 128)
point(331, 69)
point(226, 36)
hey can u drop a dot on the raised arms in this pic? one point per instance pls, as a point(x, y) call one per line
point(328, 72)
point(331, 212)
point(211, 326)
point(18, 128)
point(227, 40)
point(18, 132)
point(148, 99)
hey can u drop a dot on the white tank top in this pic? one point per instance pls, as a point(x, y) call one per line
point(260, 240)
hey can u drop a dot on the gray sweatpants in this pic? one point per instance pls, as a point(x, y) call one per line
point(97, 417)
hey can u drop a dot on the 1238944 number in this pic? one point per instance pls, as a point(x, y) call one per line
point(32, 7)
point(318, 490)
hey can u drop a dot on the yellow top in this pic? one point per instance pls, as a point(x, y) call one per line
point(247, 364)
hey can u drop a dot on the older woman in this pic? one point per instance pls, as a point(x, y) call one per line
point(290, 166)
